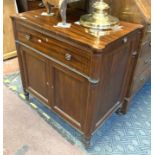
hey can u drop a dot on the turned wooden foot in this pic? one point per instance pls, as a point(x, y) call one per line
point(125, 106)
point(86, 141)
point(120, 112)
point(26, 95)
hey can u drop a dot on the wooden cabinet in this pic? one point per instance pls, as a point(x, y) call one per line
point(82, 78)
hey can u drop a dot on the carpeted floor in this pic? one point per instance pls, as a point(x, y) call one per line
point(120, 135)
point(25, 133)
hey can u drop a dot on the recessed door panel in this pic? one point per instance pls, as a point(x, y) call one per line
point(69, 95)
point(35, 69)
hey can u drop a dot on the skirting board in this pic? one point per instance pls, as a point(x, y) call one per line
point(9, 55)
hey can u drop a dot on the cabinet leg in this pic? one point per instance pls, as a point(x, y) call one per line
point(124, 109)
point(86, 141)
point(125, 106)
point(119, 112)
point(26, 94)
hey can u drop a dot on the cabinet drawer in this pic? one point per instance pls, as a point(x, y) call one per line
point(145, 49)
point(146, 38)
point(63, 52)
point(143, 64)
point(147, 35)
point(140, 79)
point(144, 61)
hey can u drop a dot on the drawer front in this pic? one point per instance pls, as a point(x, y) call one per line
point(140, 79)
point(142, 65)
point(146, 38)
point(147, 35)
point(145, 50)
point(63, 52)
point(144, 61)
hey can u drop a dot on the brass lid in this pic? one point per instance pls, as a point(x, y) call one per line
point(99, 18)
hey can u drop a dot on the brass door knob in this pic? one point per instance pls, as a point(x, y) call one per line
point(135, 53)
point(142, 79)
point(125, 40)
point(39, 41)
point(68, 56)
point(147, 61)
point(28, 36)
point(41, 5)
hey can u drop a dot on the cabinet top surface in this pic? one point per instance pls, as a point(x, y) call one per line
point(76, 32)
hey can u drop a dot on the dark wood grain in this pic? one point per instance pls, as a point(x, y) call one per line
point(76, 33)
point(35, 73)
point(66, 96)
point(56, 49)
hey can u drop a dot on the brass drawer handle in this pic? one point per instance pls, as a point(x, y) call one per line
point(147, 61)
point(142, 79)
point(39, 41)
point(47, 83)
point(28, 36)
point(68, 56)
point(135, 53)
point(41, 5)
point(125, 40)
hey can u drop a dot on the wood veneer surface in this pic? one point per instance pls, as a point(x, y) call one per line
point(76, 32)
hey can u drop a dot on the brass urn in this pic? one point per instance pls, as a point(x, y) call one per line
point(99, 18)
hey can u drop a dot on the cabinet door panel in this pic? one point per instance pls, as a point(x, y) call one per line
point(35, 70)
point(69, 95)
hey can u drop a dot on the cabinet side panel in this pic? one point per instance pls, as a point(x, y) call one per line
point(114, 69)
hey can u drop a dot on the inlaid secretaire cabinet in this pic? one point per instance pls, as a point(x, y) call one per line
point(82, 78)
point(136, 11)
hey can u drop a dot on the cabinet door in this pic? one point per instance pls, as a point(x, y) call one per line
point(35, 70)
point(69, 95)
